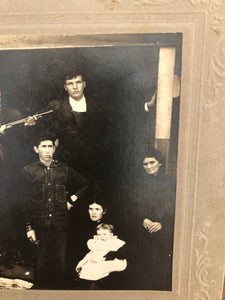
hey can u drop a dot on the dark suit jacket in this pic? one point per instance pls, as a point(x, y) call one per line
point(74, 128)
point(79, 133)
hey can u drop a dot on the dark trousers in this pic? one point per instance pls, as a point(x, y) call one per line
point(50, 269)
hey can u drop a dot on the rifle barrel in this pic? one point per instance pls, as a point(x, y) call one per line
point(25, 119)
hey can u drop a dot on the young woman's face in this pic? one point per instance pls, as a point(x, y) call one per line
point(96, 212)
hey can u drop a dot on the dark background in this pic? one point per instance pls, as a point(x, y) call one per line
point(120, 78)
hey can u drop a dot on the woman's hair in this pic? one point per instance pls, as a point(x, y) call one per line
point(98, 199)
point(105, 227)
point(153, 152)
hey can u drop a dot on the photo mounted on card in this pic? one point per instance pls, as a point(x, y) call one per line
point(111, 149)
point(89, 144)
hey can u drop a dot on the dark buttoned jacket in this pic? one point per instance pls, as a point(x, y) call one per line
point(46, 192)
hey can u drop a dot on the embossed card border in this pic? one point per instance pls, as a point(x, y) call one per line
point(199, 231)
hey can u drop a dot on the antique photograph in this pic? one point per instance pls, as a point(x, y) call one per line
point(88, 154)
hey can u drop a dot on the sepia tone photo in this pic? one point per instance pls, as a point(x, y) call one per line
point(194, 166)
point(89, 146)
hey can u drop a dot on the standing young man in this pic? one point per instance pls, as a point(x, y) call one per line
point(77, 124)
point(51, 188)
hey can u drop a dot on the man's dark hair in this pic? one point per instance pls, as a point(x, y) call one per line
point(72, 75)
point(42, 138)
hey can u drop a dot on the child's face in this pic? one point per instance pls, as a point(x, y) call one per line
point(104, 234)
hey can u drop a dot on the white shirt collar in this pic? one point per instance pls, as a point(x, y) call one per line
point(78, 106)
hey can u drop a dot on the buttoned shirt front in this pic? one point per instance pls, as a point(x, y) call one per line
point(47, 189)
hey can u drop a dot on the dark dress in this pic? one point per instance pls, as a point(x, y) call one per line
point(150, 254)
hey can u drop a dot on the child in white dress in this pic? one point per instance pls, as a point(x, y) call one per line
point(95, 265)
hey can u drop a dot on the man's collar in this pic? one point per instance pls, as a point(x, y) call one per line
point(82, 99)
point(52, 165)
point(78, 106)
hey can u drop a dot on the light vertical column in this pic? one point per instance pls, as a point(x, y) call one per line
point(164, 100)
point(1, 148)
